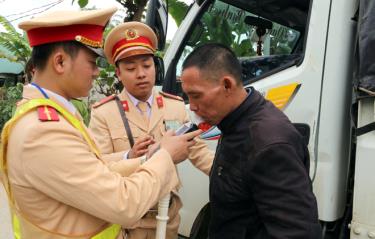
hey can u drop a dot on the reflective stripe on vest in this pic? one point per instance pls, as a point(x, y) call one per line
point(110, 232)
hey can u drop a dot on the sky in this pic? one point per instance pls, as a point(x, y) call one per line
point(19, 10)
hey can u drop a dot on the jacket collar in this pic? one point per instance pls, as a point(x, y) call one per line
point(248, 106)
point(135, 101)
point(135, 116)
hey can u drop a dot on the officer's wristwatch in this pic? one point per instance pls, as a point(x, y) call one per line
point(143, 159)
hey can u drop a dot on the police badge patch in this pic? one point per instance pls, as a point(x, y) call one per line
point(171, 124)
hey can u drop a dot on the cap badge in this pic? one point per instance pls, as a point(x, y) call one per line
point(88, 42)
point(131, 34)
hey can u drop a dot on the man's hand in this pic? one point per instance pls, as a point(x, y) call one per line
point(178, 146)
point(140, 147)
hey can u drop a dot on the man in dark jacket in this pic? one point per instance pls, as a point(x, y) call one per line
point(259, 182)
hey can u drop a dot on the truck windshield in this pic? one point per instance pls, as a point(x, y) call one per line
point(262, 44)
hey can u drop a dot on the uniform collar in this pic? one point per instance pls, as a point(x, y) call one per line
point(156, 113)
point(135, 101)
point(66, 103)
point(31, 92)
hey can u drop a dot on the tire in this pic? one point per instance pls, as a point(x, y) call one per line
point(199, 230)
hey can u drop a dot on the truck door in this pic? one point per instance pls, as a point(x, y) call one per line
point(282, 46)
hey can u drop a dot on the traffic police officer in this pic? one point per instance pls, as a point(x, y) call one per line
point(128, 123)
point(57, 183)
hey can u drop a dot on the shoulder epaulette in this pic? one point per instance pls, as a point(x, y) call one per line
point(170, 96)
point(47, 113)
point(103, 101)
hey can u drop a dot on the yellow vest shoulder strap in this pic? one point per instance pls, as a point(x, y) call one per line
point(32, 104)
point(110, 232)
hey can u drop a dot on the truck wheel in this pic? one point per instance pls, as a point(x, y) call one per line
point(199, 230)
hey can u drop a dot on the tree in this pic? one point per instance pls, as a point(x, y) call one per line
point(135, 9)
point(17, 50)
point(17, 45)
point(107, 83)
point(234, 35)
point(9, 95)
point(177, 10)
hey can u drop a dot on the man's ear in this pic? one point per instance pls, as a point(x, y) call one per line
point(117, 71)
point(59, 61)
point(228, 83)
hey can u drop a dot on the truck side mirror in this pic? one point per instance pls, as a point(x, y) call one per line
point(157, 19)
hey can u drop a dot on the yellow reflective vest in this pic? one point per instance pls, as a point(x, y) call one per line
point(18, 220)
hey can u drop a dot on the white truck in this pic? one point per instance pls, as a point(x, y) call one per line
point(300, 55)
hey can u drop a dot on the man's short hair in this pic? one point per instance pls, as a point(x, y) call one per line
point(41, 53)
point(214, 60)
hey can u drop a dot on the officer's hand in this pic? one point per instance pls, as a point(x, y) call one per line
point(140, 147)
point(178, 146)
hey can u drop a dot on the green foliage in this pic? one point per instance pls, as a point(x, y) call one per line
point(83, 3)
point(177, 10)
point(134, 8)
point(106, 83)
point(9, 97)
point(234, 35)
point(14, 42)
point(281, 46)
point(83, 109)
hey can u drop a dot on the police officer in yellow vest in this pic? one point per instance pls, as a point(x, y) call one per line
point(58, 184)
point(128, 123)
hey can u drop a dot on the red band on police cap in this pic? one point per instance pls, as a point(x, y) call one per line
point(125, 43)
point(43, 35)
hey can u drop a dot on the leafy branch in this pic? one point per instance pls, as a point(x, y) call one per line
point(14, 42)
